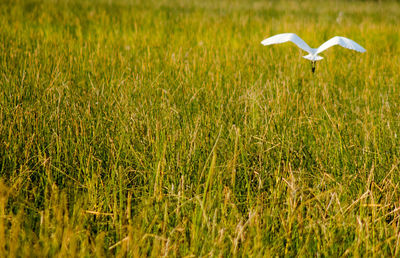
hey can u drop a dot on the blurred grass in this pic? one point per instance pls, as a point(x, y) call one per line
point(165, 128)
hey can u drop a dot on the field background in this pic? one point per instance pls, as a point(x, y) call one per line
point(165, 128)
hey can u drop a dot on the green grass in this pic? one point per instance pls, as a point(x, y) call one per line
point(165, 128)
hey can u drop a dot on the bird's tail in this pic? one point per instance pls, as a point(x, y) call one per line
point(313, 58)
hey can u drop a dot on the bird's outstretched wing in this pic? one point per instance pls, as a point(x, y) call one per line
point(341, 41)
point(285, 37)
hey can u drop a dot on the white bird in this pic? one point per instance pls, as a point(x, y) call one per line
point(313, 52)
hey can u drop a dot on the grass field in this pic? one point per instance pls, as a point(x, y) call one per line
point(164, 128)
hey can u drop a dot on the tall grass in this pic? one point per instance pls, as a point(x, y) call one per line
point(165, 128)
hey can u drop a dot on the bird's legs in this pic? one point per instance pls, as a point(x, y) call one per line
point(313, 66)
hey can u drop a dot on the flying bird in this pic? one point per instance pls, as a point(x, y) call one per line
point(313, 52)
